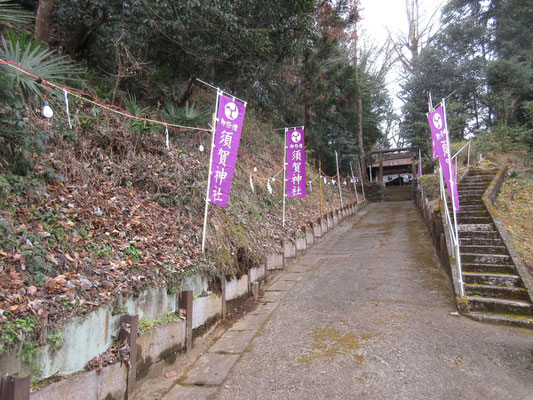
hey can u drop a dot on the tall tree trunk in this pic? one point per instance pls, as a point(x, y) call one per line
point(43, 20)
point(359, 113)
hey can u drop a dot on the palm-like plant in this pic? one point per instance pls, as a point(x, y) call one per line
point(26, 52)
point(12, 14)
point(186, 116)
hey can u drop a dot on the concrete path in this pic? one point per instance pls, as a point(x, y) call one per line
point(366, 314)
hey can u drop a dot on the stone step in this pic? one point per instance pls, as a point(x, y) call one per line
point(475, 227)
point(501, 292)
point(486, 259)
point(502, 319)
point(472, 191)
point(480, 241)
point(469, 197)
point(493, 304)
point(473, 209)
point(481, 171)
point(470, 202)
point(485, 234)
point(465, 219)
point(478, 249)
point(476, 180)
point(470, 178)
point(481, 278)
point(480, 212)
point(489, 268)
point(472, 184)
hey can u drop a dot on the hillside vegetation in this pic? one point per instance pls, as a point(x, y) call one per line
point(104, 210)
point(106, 213)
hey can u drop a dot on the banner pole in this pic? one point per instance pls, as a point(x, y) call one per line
point(320, 179)
point(452, 198)
point(213, 127)
point(284, 171)
point(354, 184)
point(338, 177)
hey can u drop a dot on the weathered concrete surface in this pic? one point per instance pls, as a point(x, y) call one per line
point(233, 342)
point(252, 322)
point(370, 319)
point(152, 345)
point(281, 285)
point(109, 382)
point(274, 261)
point(289, 249)
point(236, 287)
point(189, 393)
point(205, 308)
point(211, 369)
point(258, 273)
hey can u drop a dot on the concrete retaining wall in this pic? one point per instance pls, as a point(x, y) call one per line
point(329, 217)
point(151, 346)
point(236, 288)
point(324, 224)
point(206, 308)
point(301, 245)
point(88, 336)
point(108, 383)
point(275, 261)
point(432, 217)
point(257, 274)
point(309, 237)
point(289, 249)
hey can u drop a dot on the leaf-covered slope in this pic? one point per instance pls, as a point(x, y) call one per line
point(109, 211)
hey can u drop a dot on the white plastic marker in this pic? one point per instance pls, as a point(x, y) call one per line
point(167, 142)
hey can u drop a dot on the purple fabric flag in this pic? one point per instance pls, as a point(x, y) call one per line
point(296, 183)
point(439, 137)
point(230, 117)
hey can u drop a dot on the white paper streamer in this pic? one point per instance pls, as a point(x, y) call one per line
point(252, 183)
point(167, 142)
point(65, 95)
point(269, 187)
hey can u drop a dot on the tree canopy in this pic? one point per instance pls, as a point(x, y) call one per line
point(483, 57)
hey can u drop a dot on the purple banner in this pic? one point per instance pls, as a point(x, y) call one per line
point(230, 118)
point(439, 137)
point(296, 183)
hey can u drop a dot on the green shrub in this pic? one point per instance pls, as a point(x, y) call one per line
point(430, 185)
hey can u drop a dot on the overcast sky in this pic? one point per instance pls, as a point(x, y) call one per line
point(381, 16)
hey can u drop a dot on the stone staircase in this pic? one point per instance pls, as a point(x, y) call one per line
point(493, 287)
point(398, 193)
